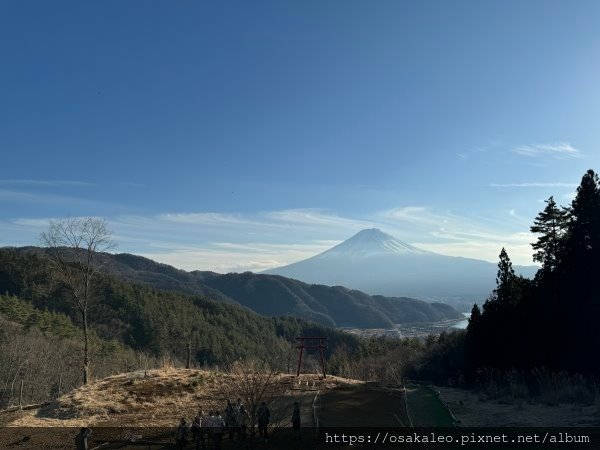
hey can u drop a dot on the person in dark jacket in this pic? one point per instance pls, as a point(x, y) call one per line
point(218, 430)
point(182, 433)
point(296, 420)
point(230, 419)
point(243, 419)
point(198, 430)
point(81, 440)
point(263, 415)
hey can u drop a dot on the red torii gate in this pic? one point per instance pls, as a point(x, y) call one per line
point(312, 343)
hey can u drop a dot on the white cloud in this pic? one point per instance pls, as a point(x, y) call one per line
point(8, 195)
point(467, 154)
point(520, 253)
point(205, 218)
point(29, 182)
point(256, 241)
point(33, 223)
point(233, 241)
point(413, 214)
point(313, 217)
point(43, 198)
point(559, 150)
point(456, 235)
point(238, 257)
point(131, 184)
point(532, 185)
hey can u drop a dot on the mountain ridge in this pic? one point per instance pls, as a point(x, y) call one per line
point(274, 295)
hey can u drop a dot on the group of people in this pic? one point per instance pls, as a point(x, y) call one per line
point(211, 428)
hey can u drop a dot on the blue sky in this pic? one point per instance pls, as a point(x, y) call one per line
point(245, 135)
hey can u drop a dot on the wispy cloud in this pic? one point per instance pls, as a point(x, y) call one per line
point(233, 241)
point(206, 218)
point(460, 235)
point(559, 150)
point(9, 195)
point(532, 185)
point(226, 242)
point(131, 184)
point(30, 182)
point(44, 199)
point(519, 249)
point(489, 147)
point(412, 214)
point(239, 257)
point(467, 154)
point(315, 217)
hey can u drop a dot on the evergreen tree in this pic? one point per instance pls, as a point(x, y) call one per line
point(505, 280)
point(476, 341)
point(475, 319)
point(579, 290)
point(584, 226)
point(551, 225)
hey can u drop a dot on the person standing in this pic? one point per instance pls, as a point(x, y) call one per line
point(230, 419)
point(81, 440)
point(296, 420)
point(264, 415)
point(181, 433)
point(237, 407)
point(208, 427)
point(243, 418)
point(218, 429)
point(198, 431)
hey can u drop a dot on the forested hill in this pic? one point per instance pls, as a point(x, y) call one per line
point(339, 306)
point(274, 295)
point(153, 321)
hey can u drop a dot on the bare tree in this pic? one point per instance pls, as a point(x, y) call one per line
point(73, 246)
point(255, 382)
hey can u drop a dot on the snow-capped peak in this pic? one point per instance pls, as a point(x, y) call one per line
point(371, 241)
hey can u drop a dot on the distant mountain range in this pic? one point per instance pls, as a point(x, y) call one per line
point(274, 295)
point(377, 263)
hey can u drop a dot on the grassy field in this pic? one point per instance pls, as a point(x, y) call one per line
point(158, 399)
point(150, 405)
point(473, 410)
point(425, 408)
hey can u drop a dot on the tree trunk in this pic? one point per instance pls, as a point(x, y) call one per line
point(86, 349)
point(188, 363)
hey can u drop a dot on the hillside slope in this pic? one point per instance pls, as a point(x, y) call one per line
point(155, 321)
point(272, 295)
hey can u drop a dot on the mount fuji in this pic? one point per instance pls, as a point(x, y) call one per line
point(378, 263)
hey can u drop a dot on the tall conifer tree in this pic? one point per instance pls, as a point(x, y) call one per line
point(505, 280)
point(584, 227)
point(551, 225)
